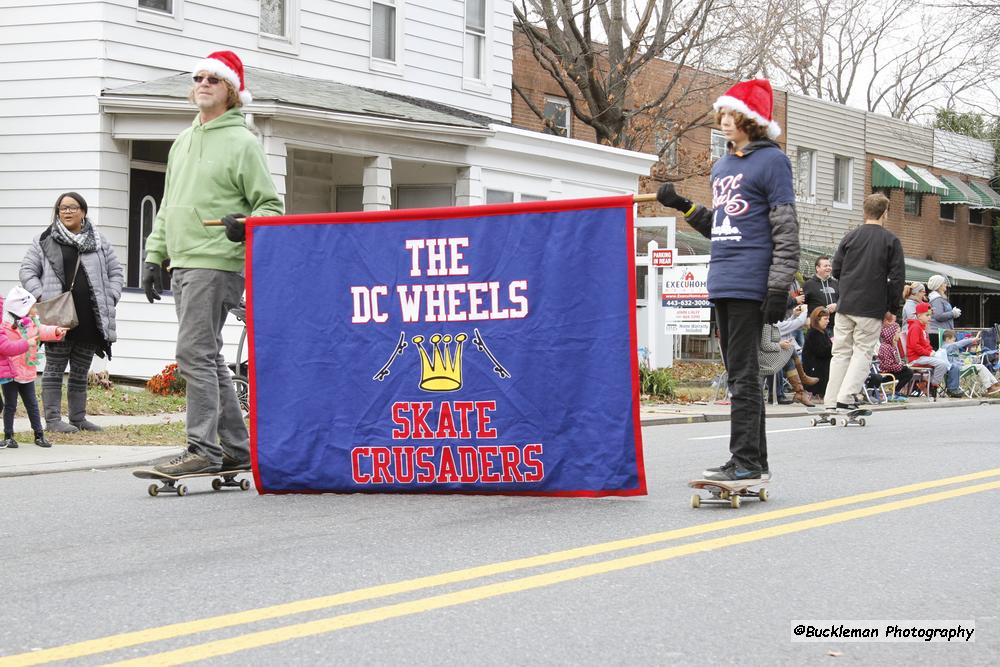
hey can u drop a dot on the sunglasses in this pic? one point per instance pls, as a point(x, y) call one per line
point(69, 209)
point(214, 80)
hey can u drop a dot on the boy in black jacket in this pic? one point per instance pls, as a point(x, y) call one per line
point(869, 265)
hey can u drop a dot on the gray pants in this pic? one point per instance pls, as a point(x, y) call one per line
point(215, 424)
point(79, 357)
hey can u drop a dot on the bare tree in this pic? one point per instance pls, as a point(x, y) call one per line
point(600, 54)
point(904, 58)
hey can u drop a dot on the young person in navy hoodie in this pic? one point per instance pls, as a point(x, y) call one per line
point(755, 254)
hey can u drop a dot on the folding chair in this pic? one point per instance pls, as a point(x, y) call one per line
point(921, 381)
point(885, 389)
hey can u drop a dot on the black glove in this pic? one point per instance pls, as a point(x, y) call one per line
point(236, 231)
point(151, 281)
point(775, 306)
point(667, 195)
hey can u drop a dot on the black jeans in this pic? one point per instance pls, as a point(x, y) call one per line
point(740, 322)
point(27, 391)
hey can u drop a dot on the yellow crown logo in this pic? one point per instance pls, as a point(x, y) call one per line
point(442, 372)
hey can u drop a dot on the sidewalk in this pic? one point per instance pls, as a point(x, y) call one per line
point(31, 460)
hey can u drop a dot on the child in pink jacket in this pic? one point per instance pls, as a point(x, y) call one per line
point(8, 348)
point(20, 324)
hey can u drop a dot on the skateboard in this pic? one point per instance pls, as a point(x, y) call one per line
point(856, 417)
point(168, 483)
point(729, 491)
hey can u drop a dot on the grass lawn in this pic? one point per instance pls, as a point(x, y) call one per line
point(139, 434)
point(120, 400)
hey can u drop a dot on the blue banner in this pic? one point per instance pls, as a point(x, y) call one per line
point(486, 349)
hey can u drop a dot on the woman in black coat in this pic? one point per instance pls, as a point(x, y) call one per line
point(818, 350)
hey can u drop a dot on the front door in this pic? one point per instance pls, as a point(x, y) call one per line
point(145, 195)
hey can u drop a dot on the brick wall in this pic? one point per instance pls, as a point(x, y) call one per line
point(927, 236)
point(694, 149)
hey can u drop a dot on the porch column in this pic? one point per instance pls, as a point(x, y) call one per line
point(377, 181)
point(469, 186)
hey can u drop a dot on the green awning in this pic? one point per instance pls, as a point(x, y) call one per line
point(958, 276)
point(959, 193)
point(886, 174)
point(989, 196)
point(929, 183)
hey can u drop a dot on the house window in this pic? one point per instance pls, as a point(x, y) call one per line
point(424, 196)
point(805, 174)
point(475, 39)
point(948, 212)
point(911, 203)
point(499, 197)
point(719, 147)
point(977, 216)
point(273, 18)
point(557, 111)
point(384, 29)
point(843, 172)
point(165, 6)
point(350, 198)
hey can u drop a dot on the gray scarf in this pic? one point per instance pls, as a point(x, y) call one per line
point(85, 241)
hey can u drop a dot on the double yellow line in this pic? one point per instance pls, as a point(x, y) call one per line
point(352, 619)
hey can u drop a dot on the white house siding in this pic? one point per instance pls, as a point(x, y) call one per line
point(147, 335)
point(957, 152)
point(334, 43)
point(831, 130)
point(905, 142)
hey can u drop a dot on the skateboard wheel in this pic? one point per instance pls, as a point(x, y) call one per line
point(181, 490)
point(861, 421)
point(154, 490)
point(244, 485)
point(696, 501)
point(762, 494)
point(734, 502)
point(833, 421)
point(216, 484)
point(814, 422)
point(724, 494)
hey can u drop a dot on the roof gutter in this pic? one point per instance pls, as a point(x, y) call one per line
point(153, 105)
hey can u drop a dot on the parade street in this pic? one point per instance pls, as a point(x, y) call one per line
point(894, 522)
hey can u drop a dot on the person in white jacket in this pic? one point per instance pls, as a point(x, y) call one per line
point(943, 315)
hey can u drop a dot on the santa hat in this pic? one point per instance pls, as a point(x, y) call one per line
point(754, 99)
point(19, 301)
point(227, 65)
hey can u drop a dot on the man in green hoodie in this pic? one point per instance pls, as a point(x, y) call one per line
point(215, 167)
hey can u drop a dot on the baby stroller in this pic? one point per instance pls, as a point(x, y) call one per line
point(241, 368)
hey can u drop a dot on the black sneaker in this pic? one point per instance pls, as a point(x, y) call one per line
point(847, 406)
point(955, 393)
point(10, 443)
point(187, 463)
point(725, 466)
point(235, 464)
point(734, 474)
point(41, 441)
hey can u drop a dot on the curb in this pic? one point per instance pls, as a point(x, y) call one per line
point(706, 418)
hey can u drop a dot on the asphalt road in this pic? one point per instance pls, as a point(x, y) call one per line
point(235, 578)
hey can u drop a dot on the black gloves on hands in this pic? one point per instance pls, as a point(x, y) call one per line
point(236, 231)
point(775, 306)
point(667, 195)
point(152, 282)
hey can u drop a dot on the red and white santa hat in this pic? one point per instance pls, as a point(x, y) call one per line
point(755, 100)
point(226, 65)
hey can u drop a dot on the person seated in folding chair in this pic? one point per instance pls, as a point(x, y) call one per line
point(954, 349)
point(919, 351)
point(889, 359)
